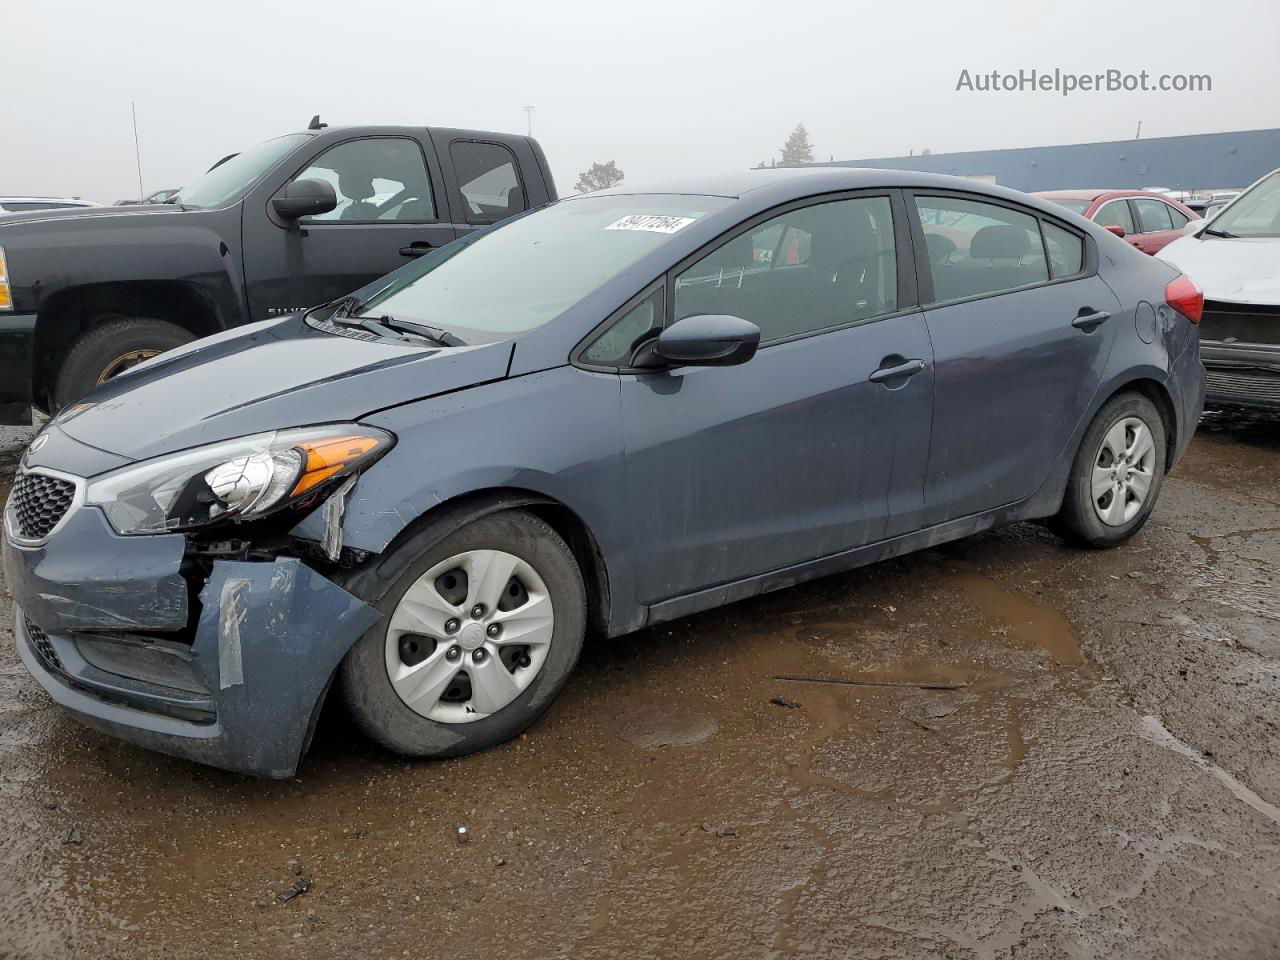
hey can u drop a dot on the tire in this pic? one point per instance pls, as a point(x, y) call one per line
point(1081, 519)
point(94, 356)
point(365, 674)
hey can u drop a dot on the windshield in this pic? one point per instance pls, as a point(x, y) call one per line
point(1255, 213)
point(1075, 206)
point(521, 274)
point(229, 180)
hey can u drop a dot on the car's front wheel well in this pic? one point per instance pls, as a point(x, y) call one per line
point(458, 511)
point(71, 313)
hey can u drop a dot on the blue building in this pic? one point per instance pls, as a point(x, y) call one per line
point(1203, 161)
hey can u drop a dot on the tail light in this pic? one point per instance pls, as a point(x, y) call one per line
point(1185, 296)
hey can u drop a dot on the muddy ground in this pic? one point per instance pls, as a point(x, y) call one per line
point(1069, 754)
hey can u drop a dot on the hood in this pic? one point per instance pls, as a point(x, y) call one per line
point(1246, 270)
point(267, 376)
point(84, 213)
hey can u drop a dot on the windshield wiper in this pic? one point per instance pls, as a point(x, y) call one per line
point(385, 323)
point(1225, 234)
point(438, 334)
point(343, 307)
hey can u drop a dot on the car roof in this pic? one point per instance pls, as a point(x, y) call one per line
point(780, 184)
point(1100, 194)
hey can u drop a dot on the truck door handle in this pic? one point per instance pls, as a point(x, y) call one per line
point(1087, 320)
point(907, 368)
point(416, 249)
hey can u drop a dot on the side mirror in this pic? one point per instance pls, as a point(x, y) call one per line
point(1116, 229)
point(1193, 227)
point(707, 340)
point(305, 198)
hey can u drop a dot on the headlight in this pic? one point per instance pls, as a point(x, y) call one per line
point(239, 479)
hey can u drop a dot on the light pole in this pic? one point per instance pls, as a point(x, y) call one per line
point(528, 111)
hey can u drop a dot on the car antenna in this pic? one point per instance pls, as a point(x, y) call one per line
point(315, 123)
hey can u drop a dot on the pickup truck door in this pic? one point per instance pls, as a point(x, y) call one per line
point(391, 208)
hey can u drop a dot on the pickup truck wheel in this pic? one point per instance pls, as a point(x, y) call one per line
point(111, 348)
point(480, 632)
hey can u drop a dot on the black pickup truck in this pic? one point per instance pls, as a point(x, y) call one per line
point(290, 223)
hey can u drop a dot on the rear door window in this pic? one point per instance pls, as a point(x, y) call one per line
point(488, 181)
point(1178, 218)
point(979, 249)
point(1152, 214)
point(1066, 251)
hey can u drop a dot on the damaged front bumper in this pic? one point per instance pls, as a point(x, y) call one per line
point(1244, 374)
point(230, 671)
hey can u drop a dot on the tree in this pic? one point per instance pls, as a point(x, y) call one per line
point(599, 177)
point(797, 149)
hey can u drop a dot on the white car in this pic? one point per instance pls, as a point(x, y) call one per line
point(19, 204)
point(1235, 258)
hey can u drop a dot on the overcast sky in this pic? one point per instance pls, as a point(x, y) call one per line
point(661, 87)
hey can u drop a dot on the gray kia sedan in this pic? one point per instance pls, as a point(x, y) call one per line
point(619, 409)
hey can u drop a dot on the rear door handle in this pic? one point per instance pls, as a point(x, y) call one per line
point(416, 249)
point(908, 368)
point(1087, 321)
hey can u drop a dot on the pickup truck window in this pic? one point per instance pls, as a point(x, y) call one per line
point(378, 178)
point(490, 184)
point(230, 180)
point(528, 271)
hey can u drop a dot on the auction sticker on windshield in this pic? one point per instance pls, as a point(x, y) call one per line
point(650, 223)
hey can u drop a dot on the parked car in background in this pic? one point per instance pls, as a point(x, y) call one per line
point(36, 204)
point(1235, 258)
point(1147, 220)
point(285, 225)
point(159, 196)
point(1208, 207)
point(603, 415)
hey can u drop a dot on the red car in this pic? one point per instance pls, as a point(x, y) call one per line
point(1147, 220)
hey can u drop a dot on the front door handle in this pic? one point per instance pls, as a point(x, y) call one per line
point(1087, 319)
point(907, 368)
point(416, 249)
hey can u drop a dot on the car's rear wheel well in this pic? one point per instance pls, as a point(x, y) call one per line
point(71, 313)
point(1157, 394)
point(461, 510)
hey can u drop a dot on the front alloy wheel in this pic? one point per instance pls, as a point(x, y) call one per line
point(469, 636)
point(481, 628)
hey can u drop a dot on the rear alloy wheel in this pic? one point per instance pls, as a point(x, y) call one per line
point(1117, 474)
point(481, 630)
point(1123, 472)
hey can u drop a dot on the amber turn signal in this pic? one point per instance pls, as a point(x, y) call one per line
point(324, 458)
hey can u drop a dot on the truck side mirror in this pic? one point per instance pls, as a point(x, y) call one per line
point(304, 198)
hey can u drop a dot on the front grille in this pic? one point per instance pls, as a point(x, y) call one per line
point(1258, 385)
point(1240, 322)
point(38, 502)
point(40, 640)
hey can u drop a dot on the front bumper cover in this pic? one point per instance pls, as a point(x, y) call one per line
point(242, 695)
point(1246, 374)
